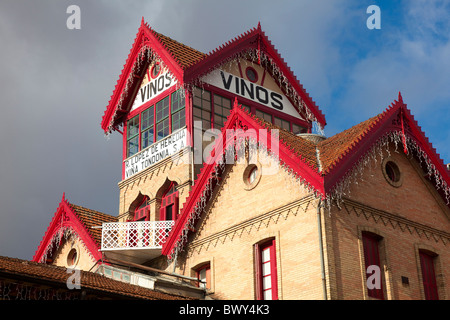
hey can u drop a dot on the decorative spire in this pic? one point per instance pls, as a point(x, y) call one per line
point(400, 98)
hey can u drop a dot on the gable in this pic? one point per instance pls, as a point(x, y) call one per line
point(345, 155)
point(252, 82)
point(72, 221)
point(397, 184)
point(157, 80)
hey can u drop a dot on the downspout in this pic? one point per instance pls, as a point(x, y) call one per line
point(319, 229)
point(322, 260)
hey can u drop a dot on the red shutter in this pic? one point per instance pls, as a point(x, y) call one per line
point(258, 277)
point(428, 276)
point(266, 271)
point(372, 257)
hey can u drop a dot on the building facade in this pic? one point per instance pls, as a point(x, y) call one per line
point(225, 183)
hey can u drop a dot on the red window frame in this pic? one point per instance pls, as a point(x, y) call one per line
point(169, 204)
point(428, 276)
point(207, 268)
point(371, 244)
point(266, 269)
point(142, 211)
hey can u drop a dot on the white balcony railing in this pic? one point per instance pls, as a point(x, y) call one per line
point(135, 235)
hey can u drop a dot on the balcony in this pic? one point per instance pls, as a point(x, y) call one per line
point(136, 241)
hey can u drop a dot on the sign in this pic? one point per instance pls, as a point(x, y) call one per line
point(251, 91)
point(153, 88)
point(155, 153)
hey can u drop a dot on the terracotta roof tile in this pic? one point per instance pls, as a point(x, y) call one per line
point(304, 149)
point(89, 280)
point(334, 148)
point(185, 55)
point(91, 218)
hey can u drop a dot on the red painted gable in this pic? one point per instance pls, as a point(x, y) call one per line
point(69, 220)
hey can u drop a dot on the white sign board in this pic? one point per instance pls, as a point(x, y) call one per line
point(153, 154)
point(152, 89)
point(251, 91)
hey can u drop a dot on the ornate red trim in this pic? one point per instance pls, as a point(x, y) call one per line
point(65, 217)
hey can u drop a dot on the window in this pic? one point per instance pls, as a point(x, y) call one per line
point(202, 107)
point(153, 124)
point(252, 175)
point(283, 124)
point(142, 211)
point(296, 129)
point(147, 127)
point(132, 136)
point(266, 271)
point(169, 204)
point(251, 74)
point(204, 275)
point(264, 116)
point(162, 118)
point(372, 258)
point(72, 257)
point(392, 171)
point(178, 111)
point(222, 107)
point(428, 275)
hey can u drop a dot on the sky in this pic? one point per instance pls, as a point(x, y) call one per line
point(55, 83)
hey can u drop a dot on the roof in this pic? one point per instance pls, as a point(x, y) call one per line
point(91, 218)
point(76, 220)
point(58, 276)
point(324, 167)
point(189, 65)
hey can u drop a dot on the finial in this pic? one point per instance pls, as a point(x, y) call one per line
point(142, 21)
point(259, 25)
point(400, 98)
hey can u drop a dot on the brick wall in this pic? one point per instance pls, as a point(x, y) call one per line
point(408, 217)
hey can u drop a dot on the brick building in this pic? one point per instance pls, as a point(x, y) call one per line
point(226, 180)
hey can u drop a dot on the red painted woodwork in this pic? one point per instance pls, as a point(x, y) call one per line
point(372, 257)
point(266, 271)
point(65, 217)
point(428, 276)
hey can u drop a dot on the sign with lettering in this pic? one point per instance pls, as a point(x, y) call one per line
point(251, 91)
point(153, 88)
point(153, 154)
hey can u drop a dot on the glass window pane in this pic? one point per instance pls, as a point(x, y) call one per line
point(162, 129)
point(177, 101)
point(178, 120)
point(133, 146)
point(266, 269)
point(296, 129)
point(162, 109)
point(147, 138)
point(133, 127)
point(267, 282)
point(265, 255)
point(268, 295)
point(147, 118)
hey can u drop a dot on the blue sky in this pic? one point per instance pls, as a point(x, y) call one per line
point(56, 83)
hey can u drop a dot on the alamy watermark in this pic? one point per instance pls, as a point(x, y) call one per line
point(374, 21)
point(74, 20)
point(74, 280)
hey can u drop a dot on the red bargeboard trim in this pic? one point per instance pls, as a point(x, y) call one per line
point(71, 221)
point(299, 166)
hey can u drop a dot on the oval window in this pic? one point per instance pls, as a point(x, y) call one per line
point(155, 70)
point(251, 74)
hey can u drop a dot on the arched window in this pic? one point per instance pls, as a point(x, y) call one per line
point(142, 211)
point(169, 203)
point(266, 271)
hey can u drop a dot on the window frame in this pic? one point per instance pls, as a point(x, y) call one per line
point(372, 241)
point(259, 270)
point(170, 199)
point(428, 271)
point(207, 268)
point(138, 113)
